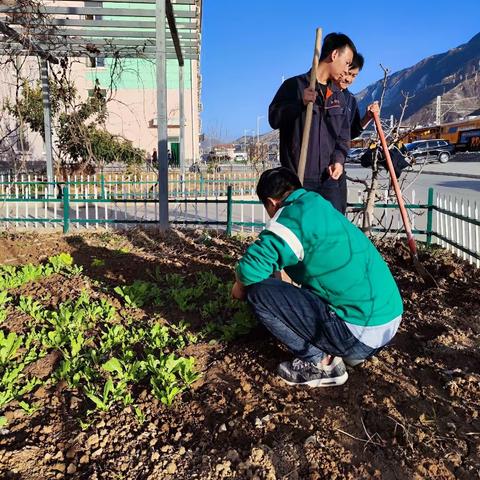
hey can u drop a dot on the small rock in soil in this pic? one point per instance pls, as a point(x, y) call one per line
point(233, 456)
point(71, 452)
point(58, 456)
point(97, 453)
point(171, 468)
point(59, 467)
point(72, 468)
point(93, 440)
point(84, 459)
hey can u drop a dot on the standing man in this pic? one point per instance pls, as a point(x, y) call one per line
point(348, 305)
point(330, 130)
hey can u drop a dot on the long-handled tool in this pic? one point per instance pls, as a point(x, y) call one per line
point(427, 278)
point(308, 116)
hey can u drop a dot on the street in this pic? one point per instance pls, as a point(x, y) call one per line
point(451, 183)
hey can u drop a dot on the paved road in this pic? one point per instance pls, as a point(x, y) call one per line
point(450, 183)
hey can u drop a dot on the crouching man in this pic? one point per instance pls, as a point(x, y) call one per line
point(347, 306)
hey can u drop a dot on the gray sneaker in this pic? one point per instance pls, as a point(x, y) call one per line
point(299, 372)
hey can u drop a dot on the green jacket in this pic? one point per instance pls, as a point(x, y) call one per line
point(321, 250)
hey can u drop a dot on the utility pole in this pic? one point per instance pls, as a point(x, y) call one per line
point(47, 119)
point(438, 110)
point(162, 132)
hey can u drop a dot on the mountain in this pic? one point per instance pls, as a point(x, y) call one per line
point(454, 75)
point(270, 137)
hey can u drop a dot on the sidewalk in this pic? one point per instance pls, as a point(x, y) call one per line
point(454, 169)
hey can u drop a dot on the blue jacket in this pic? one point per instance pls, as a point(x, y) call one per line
point(329, 134)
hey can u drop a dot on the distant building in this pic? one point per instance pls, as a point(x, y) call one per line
point(224, 151)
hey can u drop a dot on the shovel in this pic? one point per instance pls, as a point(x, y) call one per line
point(426, 277)
point(308, 116)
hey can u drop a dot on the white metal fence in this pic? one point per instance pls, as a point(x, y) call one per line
point(119, 202)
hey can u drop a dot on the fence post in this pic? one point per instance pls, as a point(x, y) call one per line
point(102, 186)
point(430, 216)
point(229, 210)
point(66, 209)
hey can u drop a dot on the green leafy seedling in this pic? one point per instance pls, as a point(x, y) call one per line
point(98, 262)
point(9, 346)
point(60, 261)
point(27, 408)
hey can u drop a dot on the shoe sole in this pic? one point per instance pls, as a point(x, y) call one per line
point(353, 363)
point(322, 382)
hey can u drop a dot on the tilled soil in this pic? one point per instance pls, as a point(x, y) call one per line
point(410, 413)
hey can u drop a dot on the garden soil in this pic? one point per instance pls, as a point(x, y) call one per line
point(410, 413)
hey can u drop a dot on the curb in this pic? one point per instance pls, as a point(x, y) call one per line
point(448, 174)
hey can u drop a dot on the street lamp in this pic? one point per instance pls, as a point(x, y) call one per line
point(258, 123)
point(245, 139)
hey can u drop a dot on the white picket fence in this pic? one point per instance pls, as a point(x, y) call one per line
point(190, 184)
point(454, 233)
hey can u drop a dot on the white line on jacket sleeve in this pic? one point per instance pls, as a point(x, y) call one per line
point(288, 236)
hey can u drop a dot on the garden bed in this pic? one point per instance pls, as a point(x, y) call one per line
point(135, 364)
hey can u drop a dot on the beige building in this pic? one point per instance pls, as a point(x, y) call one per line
point(130, 83)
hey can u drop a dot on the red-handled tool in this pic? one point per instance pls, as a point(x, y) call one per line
point(427, 278)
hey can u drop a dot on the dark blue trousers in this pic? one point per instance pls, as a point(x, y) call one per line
point(335, 191)
point(302, 321)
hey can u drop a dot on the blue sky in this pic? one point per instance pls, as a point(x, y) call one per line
point(248, 45)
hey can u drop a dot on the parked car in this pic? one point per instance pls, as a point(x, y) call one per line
point(354, 154)
point(241, 157)
point(434, 150)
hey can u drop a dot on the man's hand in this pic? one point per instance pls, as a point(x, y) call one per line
point(335, 171)
point(373, 108)
point(309, 95)
point(239, 291)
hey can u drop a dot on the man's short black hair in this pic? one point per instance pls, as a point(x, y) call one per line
point(276, 182)
point(335, 41)
point(357, 61)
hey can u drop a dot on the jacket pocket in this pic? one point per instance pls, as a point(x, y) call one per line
point(336, 117)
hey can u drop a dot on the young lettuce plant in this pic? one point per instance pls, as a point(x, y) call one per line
point(4, 300)
point(139, 293)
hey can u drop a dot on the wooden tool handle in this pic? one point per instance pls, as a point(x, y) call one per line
point(308, 117)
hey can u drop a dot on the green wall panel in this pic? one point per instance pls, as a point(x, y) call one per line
point(139, 73)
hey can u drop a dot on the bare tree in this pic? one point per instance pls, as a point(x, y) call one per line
point(258, 155)
point(394, 133)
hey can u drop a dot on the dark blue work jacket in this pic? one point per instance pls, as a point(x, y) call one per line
point(330, 131)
